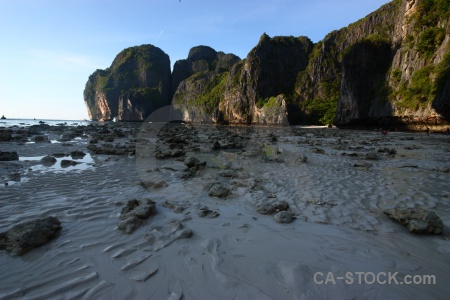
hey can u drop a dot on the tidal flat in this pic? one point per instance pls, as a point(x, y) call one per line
point(230, 212)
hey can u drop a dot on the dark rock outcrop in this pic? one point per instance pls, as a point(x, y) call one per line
point(48, 161)
point(136, 84)
point(417, 220)
point(8, 156)
point(5, 136)
point(26, 236)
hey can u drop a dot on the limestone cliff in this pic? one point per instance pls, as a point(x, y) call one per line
point(391, 67)
point(136, 84)
point(198, 83)
point(400, 70)
point(261, 83)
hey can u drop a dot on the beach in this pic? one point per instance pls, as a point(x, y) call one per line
point(260, 213)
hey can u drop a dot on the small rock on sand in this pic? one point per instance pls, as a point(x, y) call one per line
point(206, 212)
point(135, 213)
point(191, 161)
point(218, 190)
point(371, 156)
point(48, 160)
point(67, 163)
point(40, 139)
point(26, 236)
point(283, 217)
point(77, 154)
point(175, 166)
point(154, 184)
point(417, 220)
point(269, 208)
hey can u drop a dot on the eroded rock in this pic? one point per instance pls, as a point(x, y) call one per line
point(284, 217)
point(219, 190)
point(134, 214)
point(417, 220)
point(29, 235)
point(269, 208)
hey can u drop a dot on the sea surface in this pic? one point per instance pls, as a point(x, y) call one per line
point(30, 122)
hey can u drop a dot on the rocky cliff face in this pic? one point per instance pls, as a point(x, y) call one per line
point(391, 66)
point(136, 84)
point(198, 83)
point(262, 81)
point(408, 76)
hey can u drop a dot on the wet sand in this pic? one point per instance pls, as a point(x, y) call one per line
point(336, 183)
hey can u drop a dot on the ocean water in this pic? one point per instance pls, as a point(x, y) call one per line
point(30, 122)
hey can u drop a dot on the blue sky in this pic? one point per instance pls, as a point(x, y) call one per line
point(49, 48)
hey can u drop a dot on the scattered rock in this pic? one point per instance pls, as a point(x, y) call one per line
point(216, 145)
point(417, 220)
point(175, 208)
point(283, 217)
point(134, 214)
point(191, 161)
point(14, 177)
point(206, 212)
point(228, 173)
point(269, 208)
point(5, 136)
point(8, 156)
point(48, 161)
point(251, 153)
point(77, 154)
point(367, 166)
point(40, 139)
point(154, 184)
point(68, 163)
point(26, 236)
point(109, 149)
point(218, 190)
point(371, 156)
point(302, 158)
point(387, 151)
point(175, 166)
point(321, 203)
point(66, 137)
point(318, 150)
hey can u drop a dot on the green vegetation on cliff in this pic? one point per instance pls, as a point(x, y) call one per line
point(426, 84)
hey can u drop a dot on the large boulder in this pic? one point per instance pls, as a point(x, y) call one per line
point(29, 235)
point(417, 220)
